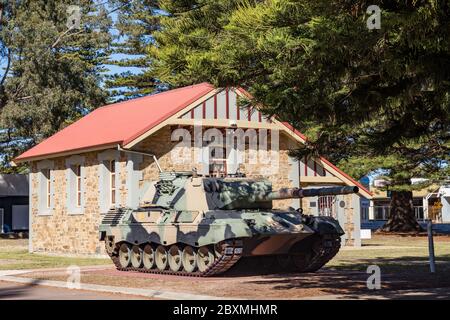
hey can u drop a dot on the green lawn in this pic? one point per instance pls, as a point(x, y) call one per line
point(395, 254)
point(14, 255)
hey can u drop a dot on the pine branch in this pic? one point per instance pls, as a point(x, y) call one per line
point(62, 35)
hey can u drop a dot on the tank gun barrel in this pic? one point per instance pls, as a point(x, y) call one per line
point(293, 193)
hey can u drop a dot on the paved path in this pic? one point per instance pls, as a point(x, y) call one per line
point(34, 291)
point(29, 283)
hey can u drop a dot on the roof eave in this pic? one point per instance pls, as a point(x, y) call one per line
point(65, 153)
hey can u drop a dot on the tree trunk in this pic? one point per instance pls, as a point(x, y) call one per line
point(402, 218)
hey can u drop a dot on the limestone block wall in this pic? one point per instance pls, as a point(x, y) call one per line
point(60, 231)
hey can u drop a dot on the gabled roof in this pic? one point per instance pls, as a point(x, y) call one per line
point(117, 123)
point(124, 122)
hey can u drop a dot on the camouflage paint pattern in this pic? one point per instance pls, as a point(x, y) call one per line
point(189, 209)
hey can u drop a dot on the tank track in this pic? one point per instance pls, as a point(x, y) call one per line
point(231, 252)
point(326, 247)
point(329, 246)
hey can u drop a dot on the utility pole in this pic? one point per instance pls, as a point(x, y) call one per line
point(431, 246)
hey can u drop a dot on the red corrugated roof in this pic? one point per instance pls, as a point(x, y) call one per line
point(118, 123)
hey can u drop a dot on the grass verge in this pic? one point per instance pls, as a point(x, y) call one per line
point(14, 256)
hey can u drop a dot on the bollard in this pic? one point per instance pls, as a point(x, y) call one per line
point(431, 246)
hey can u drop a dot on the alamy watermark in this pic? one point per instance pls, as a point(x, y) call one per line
point(230, 148)
point(74, 278)
point(374, 280)
point(74, 18)
point(374, 20)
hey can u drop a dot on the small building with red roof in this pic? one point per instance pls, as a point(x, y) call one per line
point(113, 156)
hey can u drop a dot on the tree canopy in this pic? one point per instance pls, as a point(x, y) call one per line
point(52, 68)
point(366, 98)
point(135, 23)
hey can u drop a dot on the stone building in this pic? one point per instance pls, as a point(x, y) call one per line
point(80, 172)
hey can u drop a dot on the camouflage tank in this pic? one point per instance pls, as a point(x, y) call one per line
point(202, 226)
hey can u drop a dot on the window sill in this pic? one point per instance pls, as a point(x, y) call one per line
point(75, 212)
point(44, 214)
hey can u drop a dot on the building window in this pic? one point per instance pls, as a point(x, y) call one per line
point(326, 206)
point(44, 191)
point(112, 181)
point(217, 162)
point(109, 182)
point(47, 183)
point(75, 184)
point(77, 171)
point(364, 213)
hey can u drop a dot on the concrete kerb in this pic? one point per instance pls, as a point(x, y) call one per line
point(160, 294)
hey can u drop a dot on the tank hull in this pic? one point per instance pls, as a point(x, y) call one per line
point(230, 236)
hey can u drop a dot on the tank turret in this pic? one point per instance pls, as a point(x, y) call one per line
point(250, 194)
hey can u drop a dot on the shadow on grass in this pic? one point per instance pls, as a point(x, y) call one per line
point(17, 291)
point(349, 278)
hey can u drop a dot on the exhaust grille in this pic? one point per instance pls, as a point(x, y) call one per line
point(113, 217)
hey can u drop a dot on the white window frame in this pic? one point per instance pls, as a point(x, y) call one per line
point(45, 191)
point(75, 185)
point(105, 176)
point(48, 186)
point(112, 182)
point(78, 184)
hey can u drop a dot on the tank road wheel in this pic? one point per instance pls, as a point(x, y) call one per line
point(285, 262)
point(218, 249)
point(148, 257)
point(136, 256)
point(124, 255)
point(174, 258)
point(161, 258)
point(189, 259)
point(301, 261)
point(302, 253)
point(267, 263)
point(205, 258)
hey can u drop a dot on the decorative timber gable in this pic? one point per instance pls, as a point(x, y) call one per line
point(225, 105)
